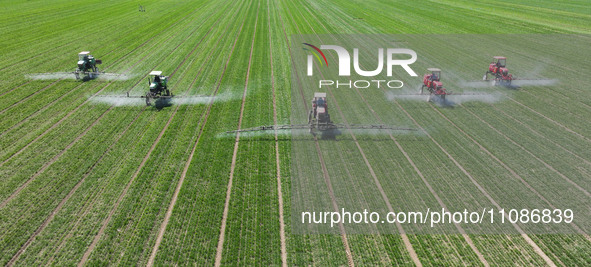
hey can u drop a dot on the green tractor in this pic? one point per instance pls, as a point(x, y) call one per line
point(158, 87)
point(87, 65)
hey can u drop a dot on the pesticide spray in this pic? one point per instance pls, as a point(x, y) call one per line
point(70, 76)
point(123, 100)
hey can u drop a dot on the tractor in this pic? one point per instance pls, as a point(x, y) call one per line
point(87, 65)
point(499, 71)
point(318, 117)
point(319, 120)
point(434, 85)
point(158, 87)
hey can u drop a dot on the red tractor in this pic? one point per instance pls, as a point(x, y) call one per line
point(499, 71)
point(434, 85)
point(318, 118)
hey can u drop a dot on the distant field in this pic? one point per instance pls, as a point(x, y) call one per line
point(85, 182)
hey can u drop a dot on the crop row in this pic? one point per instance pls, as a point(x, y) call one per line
point(91, 183)
point(148, 118)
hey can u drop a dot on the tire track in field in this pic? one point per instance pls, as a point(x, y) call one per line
point(513, 173)
point(378, 184)
point(550, 120)
point(67, 116)
point(63, 201)
point(541, 135)
point(325, 175)
point(88, 100)
point(54, 159)
point(570, 112)
point(43, 53)
point(18, 86)
point(277, 162)
point(70, 91)
point(86, 208)
point(547, 118)
point(33, 57)
point(70, 194)
point(79, 137)
point(46, 106)
point(58, 208)
point(558, 65)
point(43, 134)
point(535, 247)
point(460, 229)
point(203, 122)
point(162, 228)
point(404, 237)
point(140, 167)
point(470, 242)
point(112, 212)
point(29, 96)
point(560, 92)
point(78, 40)
point(50, 128)
point(112, 64)
point(401, 230)
point(579, 230)
point(175, 194)
point(174, 49)
point(516, 144)
point(220, 246)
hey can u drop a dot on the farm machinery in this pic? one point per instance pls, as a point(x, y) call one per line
point(87, 65)
point(318, 117)
point(434, 85)
point(319, 121)
point(158, 88)
point(498, 70)
point(500, 76)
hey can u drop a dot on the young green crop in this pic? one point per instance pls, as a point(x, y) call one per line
point(490, 143)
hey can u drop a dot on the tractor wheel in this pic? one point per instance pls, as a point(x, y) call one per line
point(148, 96)
point(167, 92)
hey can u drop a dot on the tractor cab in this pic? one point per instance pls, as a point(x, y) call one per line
point(87, 65)
point(319, 101)
point(158, 87)
point(500, 62)
point(319, 110)
point(435, 74)
point(432, 80)
point(83, 58)
point(158, 83)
